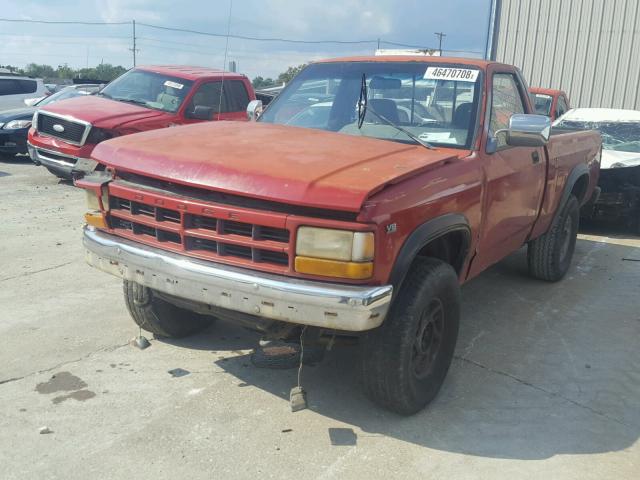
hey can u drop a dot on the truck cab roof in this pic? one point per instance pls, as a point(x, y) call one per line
point(189, 72)
point(480, 63)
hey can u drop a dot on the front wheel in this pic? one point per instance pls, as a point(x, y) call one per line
point(405, 360)
point(549, 256)
point(160, 317)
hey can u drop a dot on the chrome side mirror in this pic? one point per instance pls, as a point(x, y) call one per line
point(526, 130)
point(254, 110)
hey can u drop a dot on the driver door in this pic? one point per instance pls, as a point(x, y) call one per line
point(514, 179)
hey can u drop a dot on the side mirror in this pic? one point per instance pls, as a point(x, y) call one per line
point(201, 112)
point(528, 130)
point(254, 110)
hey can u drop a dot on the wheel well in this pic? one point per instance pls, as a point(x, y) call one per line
point(450, 247)
point(580, 188)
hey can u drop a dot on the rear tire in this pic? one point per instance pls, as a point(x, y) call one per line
point(160, 317)
point(405, 360)
point(549, 256)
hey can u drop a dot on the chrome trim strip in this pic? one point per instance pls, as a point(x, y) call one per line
point(68, 118)
point(327, 305)
point(44, 159)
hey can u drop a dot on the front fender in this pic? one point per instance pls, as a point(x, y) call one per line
point(425, 234)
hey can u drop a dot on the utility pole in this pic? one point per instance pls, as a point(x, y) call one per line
point(440, 35)
point(134, 49)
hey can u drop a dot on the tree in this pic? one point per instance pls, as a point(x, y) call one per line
point(260, 82)
point(64, 71)
point(40, 71)
point(285, 77)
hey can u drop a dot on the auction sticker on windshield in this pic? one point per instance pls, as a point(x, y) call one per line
point(171, 84)
point(457, 74)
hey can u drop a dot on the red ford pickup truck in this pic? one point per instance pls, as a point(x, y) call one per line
point(549, 102)
point(145, 98)
point(366, 193)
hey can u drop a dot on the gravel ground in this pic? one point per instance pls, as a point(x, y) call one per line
point(545, 383)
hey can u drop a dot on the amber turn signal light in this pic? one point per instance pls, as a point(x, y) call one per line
point(95, 219)
point(333, 268)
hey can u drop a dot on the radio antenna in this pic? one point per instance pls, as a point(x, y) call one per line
point(224, 65)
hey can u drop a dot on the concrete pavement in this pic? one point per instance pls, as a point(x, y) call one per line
point(545, 384)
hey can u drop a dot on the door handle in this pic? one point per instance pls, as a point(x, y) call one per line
point(535, 157)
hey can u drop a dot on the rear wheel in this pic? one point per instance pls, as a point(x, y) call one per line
point(549, 256)
point(405, 360)
point(160, 317)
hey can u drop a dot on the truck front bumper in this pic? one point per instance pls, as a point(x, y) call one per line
point(59, 163)
point(327, 305)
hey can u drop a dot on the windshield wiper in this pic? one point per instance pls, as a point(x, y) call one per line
point(363, 107)
point(130, 100)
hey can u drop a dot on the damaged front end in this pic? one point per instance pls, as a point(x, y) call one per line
point(619, 200)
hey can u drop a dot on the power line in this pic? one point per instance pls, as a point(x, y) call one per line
point(57, 22)
point(257, 39)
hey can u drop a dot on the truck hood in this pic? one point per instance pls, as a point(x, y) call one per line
point(102, 112)
point(300, 166)
point(618, 159)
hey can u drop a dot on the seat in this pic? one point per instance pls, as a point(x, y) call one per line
point(385, 107)
point(169, 99)
point(462, 116)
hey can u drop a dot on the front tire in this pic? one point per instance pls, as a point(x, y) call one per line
point(549, 256)
point(405, 360)
point(160, 317)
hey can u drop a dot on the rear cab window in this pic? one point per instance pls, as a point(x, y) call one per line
point(542, 104)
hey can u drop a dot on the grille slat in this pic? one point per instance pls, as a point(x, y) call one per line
point(189, 235)
point(72, 131)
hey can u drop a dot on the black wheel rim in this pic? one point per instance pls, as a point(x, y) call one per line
point(428, 339)
point(567, 228)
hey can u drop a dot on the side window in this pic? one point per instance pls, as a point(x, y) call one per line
point(27, 86)
point(562, 107)
point(237, 96)
point(505, 101)
point(208, 95)
point(9, 86)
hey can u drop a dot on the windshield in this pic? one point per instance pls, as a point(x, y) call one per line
point(67, 93)
point(149, 89)
point(542, 104)
point(419, 97)
point(620, 136)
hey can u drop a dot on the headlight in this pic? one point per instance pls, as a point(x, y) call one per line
point(334, 253)
point(97, 135)
point(16, 124)
point(92, 199)
point(334, 244)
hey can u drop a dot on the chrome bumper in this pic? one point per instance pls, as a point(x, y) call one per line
point(327, 305)
point(60, 162)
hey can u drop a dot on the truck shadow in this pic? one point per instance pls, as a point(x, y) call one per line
point(540, 369)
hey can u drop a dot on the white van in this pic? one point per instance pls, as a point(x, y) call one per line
point(14, 90)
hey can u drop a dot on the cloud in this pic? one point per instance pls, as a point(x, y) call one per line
point(411, 21)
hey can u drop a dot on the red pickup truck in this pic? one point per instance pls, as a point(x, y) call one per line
point(366, 193)
point(145, 98)
point(549, 102)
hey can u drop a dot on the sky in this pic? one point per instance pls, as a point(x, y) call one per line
point(410, 22)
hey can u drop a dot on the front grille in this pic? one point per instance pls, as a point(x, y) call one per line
point(73, 131)
point(200, 235)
